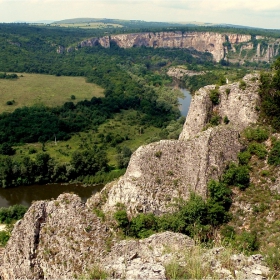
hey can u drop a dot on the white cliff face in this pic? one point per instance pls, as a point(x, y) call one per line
point(200, 41)
point(238, 105)
point(238, 38)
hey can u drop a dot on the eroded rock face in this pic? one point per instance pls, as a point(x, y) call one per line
point(145, 259)
point(238, 105)
point(200, 41)
point(160, 172)
point(54, 240)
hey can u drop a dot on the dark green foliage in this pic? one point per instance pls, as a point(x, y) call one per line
point(228, 233)
point(274, 154)
point(226, 120)
point(12, 213)
point(215, 96)
point(8, 76)
point(242, 85)
point(247, 242)
point(123, 157)
point(7, 149)
point(89, 161)
point(258, 134)
point(270, 96)
point(195, 217)
point(10, 102)
point(4, 238)
point(143, 225)
point(257, 149)
point(158, 154)
point(122, 219)
point(244, 157)
point(73, 97)
point(227, 91)
point(215, 120)
point(237, 175)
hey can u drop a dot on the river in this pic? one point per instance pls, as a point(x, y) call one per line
point(185, 102)
point(26, 194)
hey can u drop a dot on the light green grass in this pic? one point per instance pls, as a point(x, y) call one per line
point(49, 90)
point(91, 25)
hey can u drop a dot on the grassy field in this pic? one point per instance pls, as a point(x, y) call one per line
point(124, 124)
point(93, 25)
point(49, 90)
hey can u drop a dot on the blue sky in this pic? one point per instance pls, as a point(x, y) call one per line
point(256, 13)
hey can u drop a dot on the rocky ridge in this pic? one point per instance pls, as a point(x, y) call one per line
point(221, 46)
point(160, 172)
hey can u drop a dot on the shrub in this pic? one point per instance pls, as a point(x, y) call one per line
point(242, 85)
point(247, 242)
point(226, 120)
point(257, 149)
point(215, 120)
point(274, 155)
point(227, 91)
point(4, 237)
point(122, 219)
point(73, 97)
point(12, 213)
point(143, 225)
point(244, 157)
point(237, 175)
point(258, 134)
point(215, 96)
point(158, 154)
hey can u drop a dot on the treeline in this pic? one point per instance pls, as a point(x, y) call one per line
point(44, 169)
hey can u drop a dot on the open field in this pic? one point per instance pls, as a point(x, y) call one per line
point(88, 25)
point(124, 124)
point(32, 89)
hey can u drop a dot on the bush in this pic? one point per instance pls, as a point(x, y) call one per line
point(242, 85)
point(4, 237)
point(244, 157)
point(143, 225)
point(237, 175)
point(247, 242)
point(12, 213)
point(122, 219)
point(215, 96)
point(257, 149)
point(215, 120)
point(226, 120)
point(258, 134)
point(274, 155)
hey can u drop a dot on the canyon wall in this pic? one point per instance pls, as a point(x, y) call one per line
point(220, 45)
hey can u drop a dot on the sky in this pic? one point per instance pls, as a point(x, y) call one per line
point(255, 13)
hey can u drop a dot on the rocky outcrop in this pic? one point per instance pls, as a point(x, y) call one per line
point(200, 41)
point(239, 38)
point(178, 72)
point(161, 172)
point(239, 105)
point(220, 45)
point(55, 240)
point(145, 259)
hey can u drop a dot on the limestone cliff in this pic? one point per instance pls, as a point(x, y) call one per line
point(238, 105)
point(161, 172)
point(220, 45)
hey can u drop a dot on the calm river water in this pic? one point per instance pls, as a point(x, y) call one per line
point(26, 194)
point(185, 102)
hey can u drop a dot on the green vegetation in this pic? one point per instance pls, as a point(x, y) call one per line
point(51, 91)
point(215, 96)
point(12, 213)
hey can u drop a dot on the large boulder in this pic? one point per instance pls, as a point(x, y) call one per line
point(55, 240)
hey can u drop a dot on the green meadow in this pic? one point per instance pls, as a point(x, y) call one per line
point(38, 89)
